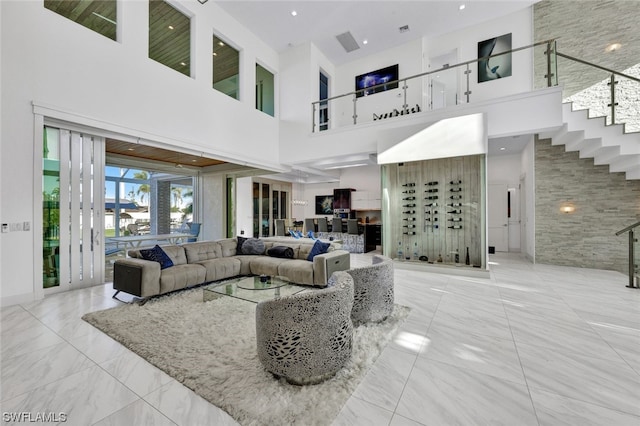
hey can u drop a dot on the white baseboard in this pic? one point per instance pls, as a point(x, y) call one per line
point(17, 299)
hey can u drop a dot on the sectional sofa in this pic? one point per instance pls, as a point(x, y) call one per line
point(201, 262)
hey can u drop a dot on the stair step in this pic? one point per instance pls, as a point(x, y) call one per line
point(624, 162)
point(633, 173)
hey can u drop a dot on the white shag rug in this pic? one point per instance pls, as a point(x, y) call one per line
point(210, 347)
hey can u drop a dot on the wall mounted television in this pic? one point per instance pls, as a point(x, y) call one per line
point(324, 204)
point(380, 76)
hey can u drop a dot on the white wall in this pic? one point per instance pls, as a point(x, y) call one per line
point(78, 75)
point(520, 25)
point(244, 206)
point(409, 60)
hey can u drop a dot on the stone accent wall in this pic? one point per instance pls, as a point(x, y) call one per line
point(604, 203)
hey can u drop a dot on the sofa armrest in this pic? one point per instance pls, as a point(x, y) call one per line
point(326, 264)
point(137, 276)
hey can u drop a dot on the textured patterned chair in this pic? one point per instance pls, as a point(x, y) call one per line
point(372, 291)
point(306, 338)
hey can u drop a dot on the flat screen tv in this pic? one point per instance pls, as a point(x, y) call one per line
point(373, 78)
point(324, 204)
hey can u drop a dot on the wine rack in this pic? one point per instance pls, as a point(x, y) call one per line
point(436, 213)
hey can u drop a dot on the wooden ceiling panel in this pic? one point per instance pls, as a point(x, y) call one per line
point(147, 152)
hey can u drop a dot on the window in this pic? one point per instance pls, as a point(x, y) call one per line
point(324, 106)
point(169, 36)
point(226, 68)
point(97, 15)
point(264, 90)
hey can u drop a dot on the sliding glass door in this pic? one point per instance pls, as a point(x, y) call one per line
point(72, 207)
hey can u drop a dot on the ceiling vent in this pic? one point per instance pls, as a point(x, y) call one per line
point(403, 29)
point(348, 42)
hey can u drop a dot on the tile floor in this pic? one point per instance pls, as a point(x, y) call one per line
point(532, 345)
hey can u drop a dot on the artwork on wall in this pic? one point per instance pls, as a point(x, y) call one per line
point(373, 78)
point(324, 204)
point(498, 66)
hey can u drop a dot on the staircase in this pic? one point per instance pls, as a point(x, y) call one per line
point(592, 138)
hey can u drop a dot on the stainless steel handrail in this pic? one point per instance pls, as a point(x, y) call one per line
point(632, 241)
point(599, 67)
point(628, 228)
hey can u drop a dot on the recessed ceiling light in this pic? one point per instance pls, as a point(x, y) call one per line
point(220, 43)
point(294, 13)
point(462, 6)
point(613, 47)
point(365, 41)
point(502, 148)
point(215, 54)
point(184, 64)
point(131, 149)
point(170, 27)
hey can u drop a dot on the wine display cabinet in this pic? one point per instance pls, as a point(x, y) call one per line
point(434, 211)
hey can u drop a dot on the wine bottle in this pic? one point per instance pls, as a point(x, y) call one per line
point(408, 198)
point(455, 204)
point(431, 212)
point(409, 212)
point(399, 254)
point(409, 233)
point(455, 212)
point(408, 226)
point(455, 219)
point(410, 219)
point(456, 190)
point(431, 205)
point(431, 197)
point(455, 182)
point(409, 205)
point(435, 182)
point(435, 219)
point(466, 258)
point(409, 184)
point(455, 227)
point(410, 191)
point(456, 197)
point(432, 190)
point(457, 257)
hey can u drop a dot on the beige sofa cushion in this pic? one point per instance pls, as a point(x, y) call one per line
point(297, 270)
point(205, 250)
point(266, 265)
point(181, 276)
point(224, 267)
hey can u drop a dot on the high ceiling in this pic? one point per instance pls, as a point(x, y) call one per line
point(376, 21)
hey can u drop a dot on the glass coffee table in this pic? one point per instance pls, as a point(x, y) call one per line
point(253, 288)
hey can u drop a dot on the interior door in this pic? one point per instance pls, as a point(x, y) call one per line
point(73, 239)
point(498, 220)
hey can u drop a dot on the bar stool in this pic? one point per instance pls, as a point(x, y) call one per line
point(336, 224)
point(352, 226)
point(322, 224)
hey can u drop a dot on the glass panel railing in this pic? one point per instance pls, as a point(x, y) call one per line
point(632, 232)
point(636, 260)
point(583, 85)
point(545, 65)
point(604, 92)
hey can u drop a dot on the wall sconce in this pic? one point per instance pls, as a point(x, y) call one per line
point(567, 209)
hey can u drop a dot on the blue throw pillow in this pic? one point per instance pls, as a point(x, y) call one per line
point(318, 248)
point(156, 254)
